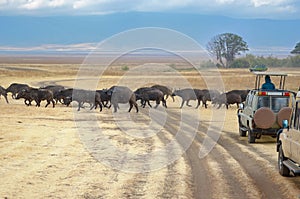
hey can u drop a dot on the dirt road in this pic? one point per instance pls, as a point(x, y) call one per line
point(42, 156)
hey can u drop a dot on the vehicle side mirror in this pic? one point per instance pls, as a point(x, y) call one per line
point(241, 106)
point(285, 124)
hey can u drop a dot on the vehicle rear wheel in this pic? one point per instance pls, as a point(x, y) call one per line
point(242, 132)
point(251, 137)
point(283, 170)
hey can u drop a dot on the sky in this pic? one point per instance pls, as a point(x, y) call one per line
point(37, 25)
point(271, 9)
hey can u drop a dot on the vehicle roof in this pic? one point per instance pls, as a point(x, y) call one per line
point(269, 73)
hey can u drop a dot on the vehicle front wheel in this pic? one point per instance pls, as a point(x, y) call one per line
point(283, 170)
point(251, 137)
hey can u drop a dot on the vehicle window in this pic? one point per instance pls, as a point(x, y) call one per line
point(263, 102)
point(278, 103)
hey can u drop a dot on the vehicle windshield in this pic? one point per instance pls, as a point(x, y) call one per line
point(275, 103)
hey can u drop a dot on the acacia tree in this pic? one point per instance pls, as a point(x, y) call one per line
point(296, 49)
point(225, 47)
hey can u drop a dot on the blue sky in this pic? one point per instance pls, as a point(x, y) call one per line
point(36, 25)
point(271, 9)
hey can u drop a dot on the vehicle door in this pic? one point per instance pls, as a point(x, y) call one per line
point(295, 135)
point(248, 111)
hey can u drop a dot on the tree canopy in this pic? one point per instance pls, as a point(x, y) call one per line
point(226, 46)
point(296, 50)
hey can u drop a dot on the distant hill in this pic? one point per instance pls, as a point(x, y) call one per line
point(263, 34)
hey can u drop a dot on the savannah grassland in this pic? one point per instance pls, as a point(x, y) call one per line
point(42, 156)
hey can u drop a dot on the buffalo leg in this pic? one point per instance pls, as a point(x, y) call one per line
point(131, 105)
point(5, 96)
point(136, 107)
point(115, 107)
point(164, 103)
point(198, 103)
point(100, 106)
point(149, 104)
point(187, 103)
point(182, 103)
point(48, 102)
point(79, 106)
point(157, 103)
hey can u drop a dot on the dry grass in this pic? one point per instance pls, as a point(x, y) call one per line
point(137, 76)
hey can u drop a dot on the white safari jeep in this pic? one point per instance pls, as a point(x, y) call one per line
point(288, 144)
point(264, 110)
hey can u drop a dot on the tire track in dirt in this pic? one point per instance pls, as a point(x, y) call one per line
point(264, 184)
point(259, 173)
point(216, 168)
point(201, 186)
point(287, 187)
point(169, 173)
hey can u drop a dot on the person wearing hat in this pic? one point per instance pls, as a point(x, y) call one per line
point(268, 85)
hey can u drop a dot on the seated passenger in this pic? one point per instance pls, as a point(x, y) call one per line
point(268, 85)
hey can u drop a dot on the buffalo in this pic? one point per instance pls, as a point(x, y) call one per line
point(84, 96)
point(166, 91)
point(123, 95)
point(209, 95)
point(105, 98)
point(228, 98)
point(55, 90)
point(64, 96)
point(146, 95)
point(37, 95)
point(242, 93)
point(4, 93)
point(15, 88)
point(188, 94)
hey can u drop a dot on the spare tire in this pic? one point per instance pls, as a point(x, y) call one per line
point(264, 118)
point(285, 113)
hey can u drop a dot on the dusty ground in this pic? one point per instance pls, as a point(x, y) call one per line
point(44, 153)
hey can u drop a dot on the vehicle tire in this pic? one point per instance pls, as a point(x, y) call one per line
point(264, 118)
point(242, 133)
point(283, 170)
point(251, 137)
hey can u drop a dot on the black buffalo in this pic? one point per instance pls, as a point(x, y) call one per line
point(228, 98)
point(166, 91)
point(55, 90)
point(65, 96)
point(85, 96)
point(15, 88)
point(122, 95)
point(188, 94)
point(37, 95)
point(105, 98)
point(146, 95)
point(210, 95)
point(3, 93)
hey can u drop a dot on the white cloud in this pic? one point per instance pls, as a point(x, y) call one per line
point(32, 4)
point(225, 1)
point(56, 3)
point(241, 8)
point(258, 3)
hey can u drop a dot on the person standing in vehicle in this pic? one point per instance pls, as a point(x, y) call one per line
point(268, 85)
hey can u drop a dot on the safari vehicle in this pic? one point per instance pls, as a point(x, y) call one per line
point(258, 68)
point(288, 144)
point(263, 111)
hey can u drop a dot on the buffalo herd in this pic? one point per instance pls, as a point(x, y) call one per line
point(116, 95)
